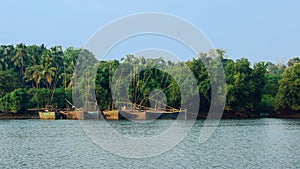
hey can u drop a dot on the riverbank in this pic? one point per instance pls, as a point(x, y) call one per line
point(286, 116)
point(18, 116)
point(30, 114)
point(35, 115)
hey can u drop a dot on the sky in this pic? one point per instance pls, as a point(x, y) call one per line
point(266, 30)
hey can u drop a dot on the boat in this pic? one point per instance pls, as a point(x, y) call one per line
point(132, 114)
point(176, 114)
point(47, 115)
point(72, 115)
point(111, 114)
point(81, 113)
point(89, 115)
point(136, 112)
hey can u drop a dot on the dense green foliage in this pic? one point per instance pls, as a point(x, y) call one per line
point(16, 101)
point(37, 76)
point(45, 75)
point(289, 89)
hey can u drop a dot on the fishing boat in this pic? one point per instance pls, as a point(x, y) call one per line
point(47, 115)
point(173, 114)
point(90, 115)
point(81, 113)
point(138, 112)
point(111, 114)
point(72, 115)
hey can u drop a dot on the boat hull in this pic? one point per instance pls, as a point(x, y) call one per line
point(47, 115)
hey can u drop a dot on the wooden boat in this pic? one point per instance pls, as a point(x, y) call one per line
point(81, 113)
point(92, 115)
point(144, 115)
point(47, 115)
point(72, 115)
point(111, 114)
point(150, 115)
point(132, 114)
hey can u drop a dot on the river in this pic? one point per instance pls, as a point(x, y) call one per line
point(251, 143)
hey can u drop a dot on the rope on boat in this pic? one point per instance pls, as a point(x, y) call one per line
point(71, 104)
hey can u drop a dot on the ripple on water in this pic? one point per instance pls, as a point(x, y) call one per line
point(256, 143)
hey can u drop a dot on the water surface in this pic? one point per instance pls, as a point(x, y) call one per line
point(255, 143)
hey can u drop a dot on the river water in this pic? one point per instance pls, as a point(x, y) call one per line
point(255, 143)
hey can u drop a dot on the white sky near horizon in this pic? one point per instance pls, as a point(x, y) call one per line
point(258, 30)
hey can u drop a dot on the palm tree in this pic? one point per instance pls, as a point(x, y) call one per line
point(34, 73)
point(67, 75)
point(48, 68)
point(20, 58)
point(70, 56)
point(6, 52)
point(3, 64)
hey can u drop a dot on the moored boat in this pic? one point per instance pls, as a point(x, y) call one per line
point(51, 115)
point(92, 115)
point(111, 114)
point(72, 115)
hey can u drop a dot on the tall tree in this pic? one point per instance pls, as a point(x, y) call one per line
point(9, 81)
point(48, 68)
point(20, 58)
point(293, 61)
point(288, 95)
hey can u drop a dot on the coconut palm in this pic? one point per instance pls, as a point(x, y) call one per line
point(48, 68)
point(6, 52)
point(20, 58)
point(34, 74)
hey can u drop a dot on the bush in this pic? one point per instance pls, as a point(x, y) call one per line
point(40, 98)
point(267, 101)
point(15, 102)
point(59, 97)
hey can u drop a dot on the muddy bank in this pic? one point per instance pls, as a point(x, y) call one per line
point(18, 116)
point(287, 115)
point(231, 115)
point(30, 114)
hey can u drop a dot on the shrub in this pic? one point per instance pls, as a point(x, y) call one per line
point(15, 102)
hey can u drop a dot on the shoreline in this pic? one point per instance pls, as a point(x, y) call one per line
point(18, 117)
point(36, 116)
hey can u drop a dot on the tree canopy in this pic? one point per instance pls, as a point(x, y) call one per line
point(44, 76)
point(288, 94)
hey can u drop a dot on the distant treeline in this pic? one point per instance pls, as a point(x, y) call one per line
point(35, 76)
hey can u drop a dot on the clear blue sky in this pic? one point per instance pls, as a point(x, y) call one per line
point(259, 30)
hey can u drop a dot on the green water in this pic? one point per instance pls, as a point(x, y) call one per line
point(258, 143)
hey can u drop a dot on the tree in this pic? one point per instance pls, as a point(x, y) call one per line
point(6, 53)
point(244, 85)
point(49, 68)
point(69, 61)
point(34, 73)
point(15, 102)
point(258, 78)
point(270, 90)
point(275, 69)
point(288, 95)
point(293, 61)
point(203, 81)
point(20, 58)
point(105, 72)
point(9, 81)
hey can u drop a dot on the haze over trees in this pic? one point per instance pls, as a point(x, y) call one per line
point(36, 76)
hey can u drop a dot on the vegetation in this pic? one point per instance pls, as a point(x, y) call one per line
point(16, 101)
point(37, 76)
point(43, 76)
point(288, 94)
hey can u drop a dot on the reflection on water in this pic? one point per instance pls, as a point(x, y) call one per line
point(258, 143)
